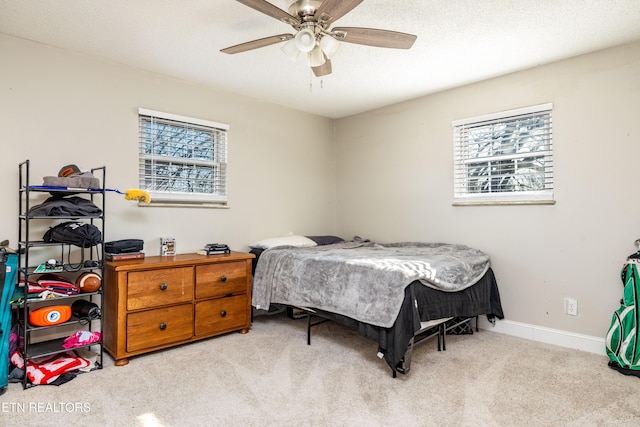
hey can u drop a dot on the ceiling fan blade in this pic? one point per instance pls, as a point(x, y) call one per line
point(323, 69)
point(271, 10)
point(255, 44)
point(332, 10)
point(374, 37)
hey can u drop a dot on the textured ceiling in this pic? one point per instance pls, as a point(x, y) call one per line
point(459, 42)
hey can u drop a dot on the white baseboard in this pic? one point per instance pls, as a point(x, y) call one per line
point(546, 335)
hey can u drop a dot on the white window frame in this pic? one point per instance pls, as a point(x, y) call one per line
point(217, 197)
point(466, 155)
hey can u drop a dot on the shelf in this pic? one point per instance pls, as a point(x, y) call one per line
point(60, 190)
point(35, 301)
point(73, 321)
point(36, 243)
point(51, 347)
point(30, 239)
point(54, 217)
point(31, 270)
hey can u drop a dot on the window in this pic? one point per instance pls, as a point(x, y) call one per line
point(182, 160)
point(504, 158)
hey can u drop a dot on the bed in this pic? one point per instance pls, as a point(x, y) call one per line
point(392, 293)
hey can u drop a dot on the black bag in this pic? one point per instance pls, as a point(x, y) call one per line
point(80, 234)
point(123, 246)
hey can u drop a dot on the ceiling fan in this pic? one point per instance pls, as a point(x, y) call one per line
point(312, 20)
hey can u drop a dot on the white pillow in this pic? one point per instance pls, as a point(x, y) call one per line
point(292, 240)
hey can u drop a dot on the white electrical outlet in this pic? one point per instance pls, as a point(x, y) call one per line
point(571, 306)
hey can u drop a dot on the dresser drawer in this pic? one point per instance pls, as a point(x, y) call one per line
point(221, 279)
point(153, 288)
point(158, 327)
point(221, 315)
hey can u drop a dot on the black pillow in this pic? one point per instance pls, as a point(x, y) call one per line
point(325, 240)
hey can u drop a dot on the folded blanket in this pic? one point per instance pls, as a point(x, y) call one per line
point(72, 182)
point(46, 369)
point(362, 280)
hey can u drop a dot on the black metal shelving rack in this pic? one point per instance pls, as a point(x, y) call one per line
point(28, 248)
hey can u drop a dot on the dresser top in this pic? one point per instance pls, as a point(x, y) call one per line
point(176, 261)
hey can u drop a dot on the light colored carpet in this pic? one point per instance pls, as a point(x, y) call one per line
point(271, 377)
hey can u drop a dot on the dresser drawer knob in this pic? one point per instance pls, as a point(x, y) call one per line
point(163, 287)
point(223, 313)
point(223, 278)
point(163, 326)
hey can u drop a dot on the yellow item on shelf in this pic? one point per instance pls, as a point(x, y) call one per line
point(136, 194)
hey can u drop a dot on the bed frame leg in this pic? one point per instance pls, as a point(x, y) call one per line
point(405, 364)
point(309, 325)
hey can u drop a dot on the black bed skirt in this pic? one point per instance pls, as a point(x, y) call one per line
point(483, 298)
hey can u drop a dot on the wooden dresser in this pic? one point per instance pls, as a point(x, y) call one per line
point(162, 301)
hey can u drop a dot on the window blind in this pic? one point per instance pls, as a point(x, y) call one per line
point(182, 160)
point(504, 157)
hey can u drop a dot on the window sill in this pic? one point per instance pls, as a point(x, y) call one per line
point(503, 202)
point(167, 204)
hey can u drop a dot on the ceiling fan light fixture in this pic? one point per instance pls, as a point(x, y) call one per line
point(291, 50)
point(329, 46)
point(305, 40)
point(316, 57)
point(311, 20)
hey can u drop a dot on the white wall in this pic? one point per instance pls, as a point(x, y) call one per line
point(395, 169)
point(386, 174)
point(59, 107)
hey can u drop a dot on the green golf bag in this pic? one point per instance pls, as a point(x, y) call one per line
point(623, 345)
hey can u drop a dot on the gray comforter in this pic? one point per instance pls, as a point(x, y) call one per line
point(362, 280)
